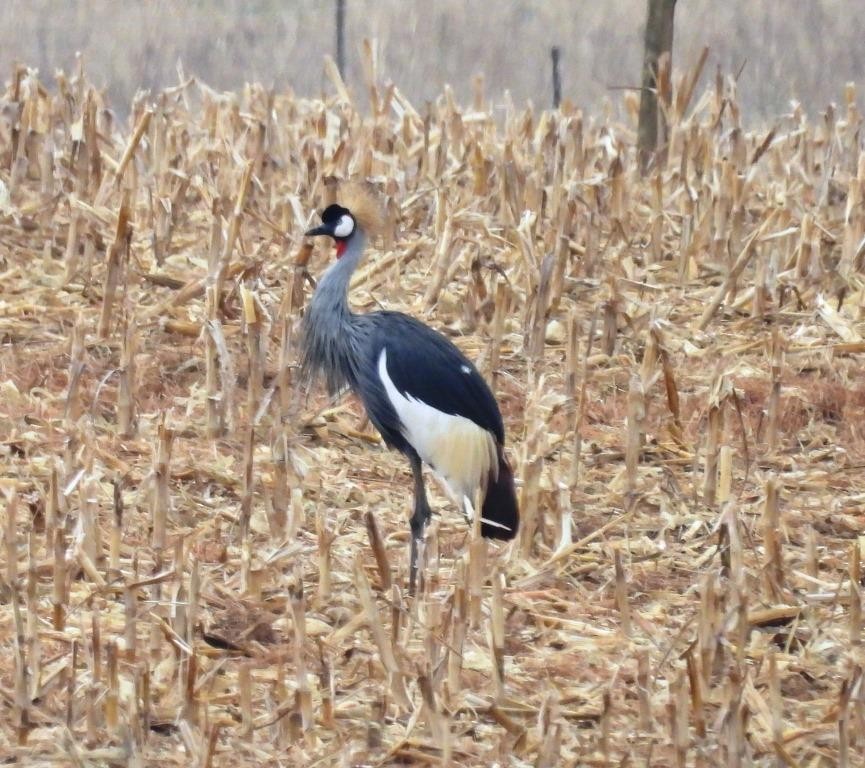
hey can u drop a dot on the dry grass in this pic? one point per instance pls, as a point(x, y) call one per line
point(188, 576)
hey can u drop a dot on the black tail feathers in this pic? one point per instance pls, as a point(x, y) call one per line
point(500, 516)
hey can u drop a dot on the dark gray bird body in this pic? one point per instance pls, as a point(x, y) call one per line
point(422, 394)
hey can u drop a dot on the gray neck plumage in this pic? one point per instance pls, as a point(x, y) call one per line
point(329, 332)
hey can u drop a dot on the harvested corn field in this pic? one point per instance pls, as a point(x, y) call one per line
point(203, 565)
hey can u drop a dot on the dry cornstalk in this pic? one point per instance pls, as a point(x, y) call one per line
point(130, 633)
point(246, 579)
point(190, 702)
point(442, 257)
point(76, 369)
point(634, 440)
point(379, 551)
point(88, 521)
point(95, 640)
point(112, 715)
point(459, 626)
point(695, 686)
point(387, 656)
point(127, 381)
point(72, 245)
point(720, 393)
point(538, 322)
point(325, 540)
point(234, 225)
point(134, 140)
point(606, 716)
point(776, 706)
point(476, 573)
point(161, 499)
point(582, 402)
point(773, 563)
point(278, 496)
point(298, 613)
point(437, 721)
point(725, 473)
point(118, 253)
point(255, 351)
point(550, 732)
point(10, 538)
point(216, 406)
point(772, 428)
point(34, 643)
point(711, 659)
point(622, 594)
point(326, 687)
point(58, 580)
point(498, 326)
point(610, 327)
point(21, 672)
point(679, 705)
point(244, 682)
point(295, 517)
point(844, 720)
point(735, 272)
point(497, 635)
point(528, 503)
point(855, 572)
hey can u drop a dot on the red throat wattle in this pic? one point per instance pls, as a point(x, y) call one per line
point(341, 245)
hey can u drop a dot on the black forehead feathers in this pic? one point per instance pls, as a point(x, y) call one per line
point(333, 213)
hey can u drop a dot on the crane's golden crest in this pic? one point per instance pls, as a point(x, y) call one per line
point(365, 205)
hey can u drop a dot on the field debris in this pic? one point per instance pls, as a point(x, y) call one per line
point(203, 565)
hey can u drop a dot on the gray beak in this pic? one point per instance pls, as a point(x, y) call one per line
point(322, 230)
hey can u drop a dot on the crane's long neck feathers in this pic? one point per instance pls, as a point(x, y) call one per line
point(330, 344)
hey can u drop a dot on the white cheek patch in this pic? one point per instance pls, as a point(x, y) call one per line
point(344, 227)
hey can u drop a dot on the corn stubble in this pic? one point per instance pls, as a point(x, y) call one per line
point(203, 566)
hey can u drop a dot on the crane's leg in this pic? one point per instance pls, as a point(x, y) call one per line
point(419, 519)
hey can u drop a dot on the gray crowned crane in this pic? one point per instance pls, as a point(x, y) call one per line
point(422, 394)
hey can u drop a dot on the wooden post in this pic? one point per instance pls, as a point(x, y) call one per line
point(658, 41)
point(555, 54)
point(340, 37)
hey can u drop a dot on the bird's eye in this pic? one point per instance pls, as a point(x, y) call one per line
point(344, 227)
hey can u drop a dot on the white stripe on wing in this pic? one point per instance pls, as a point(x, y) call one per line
point(460, 452)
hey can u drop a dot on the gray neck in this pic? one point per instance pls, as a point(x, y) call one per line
point(329, 345)
point(331, 294)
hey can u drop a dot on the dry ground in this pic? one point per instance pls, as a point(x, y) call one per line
point(189, 577)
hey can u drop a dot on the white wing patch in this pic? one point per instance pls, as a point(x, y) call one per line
point(458, 450)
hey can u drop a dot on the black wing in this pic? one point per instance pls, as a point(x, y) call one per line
point(424, 364)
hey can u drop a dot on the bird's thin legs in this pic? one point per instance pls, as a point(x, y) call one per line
point(419, 519)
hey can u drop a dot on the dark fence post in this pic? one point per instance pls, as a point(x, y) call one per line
point(555, 54)
point(340, 37)
point(658, 41)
